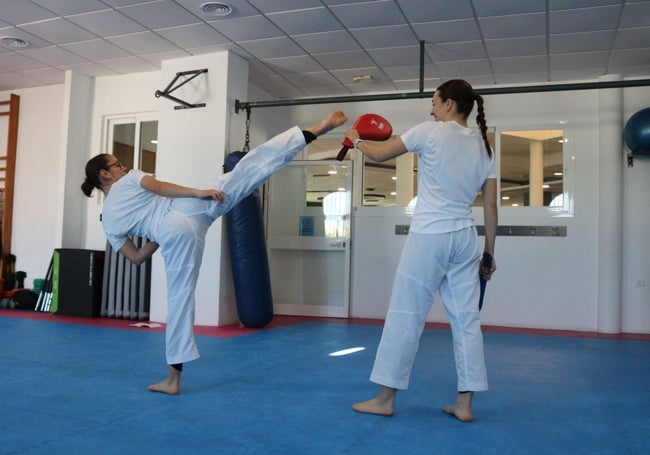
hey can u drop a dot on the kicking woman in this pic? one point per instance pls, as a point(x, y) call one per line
point(177, 218)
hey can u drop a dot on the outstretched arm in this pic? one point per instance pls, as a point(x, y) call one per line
point(173, 190)
point(138, 255)
point(379, 152)
point(334, 119)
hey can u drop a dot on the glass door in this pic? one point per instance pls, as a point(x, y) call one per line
point(309, 238)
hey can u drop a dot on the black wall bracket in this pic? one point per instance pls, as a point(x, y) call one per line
point(170, 88)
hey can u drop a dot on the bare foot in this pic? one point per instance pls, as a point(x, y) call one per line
point(461, 414)
point(334, 119)
point(372, 406)
point(170, 385)
point(462, 408)
point(382, 405)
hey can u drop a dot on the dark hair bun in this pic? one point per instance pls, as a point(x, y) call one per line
point(87, 187)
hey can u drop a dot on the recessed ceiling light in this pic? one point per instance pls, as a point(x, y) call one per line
point(216, 8)
point(12, 41)
point(364, 77)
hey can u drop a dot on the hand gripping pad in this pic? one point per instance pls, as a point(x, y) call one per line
point(370, 126)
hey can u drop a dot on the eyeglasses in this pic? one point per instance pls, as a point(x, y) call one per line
point(117, 163)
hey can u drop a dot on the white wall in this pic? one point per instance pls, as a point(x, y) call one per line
point(192, 145)
point(636, 228)
point(541, 282)
point(39, 183)
point(114, 95)
point(75, 142)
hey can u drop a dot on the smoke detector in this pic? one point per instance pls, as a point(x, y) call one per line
point(216, 8)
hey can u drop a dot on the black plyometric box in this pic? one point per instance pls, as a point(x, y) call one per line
point(77, 282)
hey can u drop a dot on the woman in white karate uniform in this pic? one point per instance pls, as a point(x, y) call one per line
point(441, 250)
point(177, 218)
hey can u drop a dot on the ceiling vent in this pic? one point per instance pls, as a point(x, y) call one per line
point(12, 41)
point(216, 9)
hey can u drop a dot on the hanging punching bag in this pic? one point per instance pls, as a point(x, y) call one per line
point(250, 264)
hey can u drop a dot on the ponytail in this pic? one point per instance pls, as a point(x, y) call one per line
point(87, 187)
point(93, 167)
point(480, 120)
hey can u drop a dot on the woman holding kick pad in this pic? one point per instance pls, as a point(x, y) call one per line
point(441, 250)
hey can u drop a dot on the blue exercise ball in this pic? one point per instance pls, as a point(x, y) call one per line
point(637, 132)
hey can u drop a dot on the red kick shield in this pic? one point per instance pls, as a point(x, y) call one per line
point(370, 126)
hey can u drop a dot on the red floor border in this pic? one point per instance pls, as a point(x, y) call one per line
point(232, 330)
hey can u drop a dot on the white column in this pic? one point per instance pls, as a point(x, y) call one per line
point(192, 146)
point(77, 121)
point(610, 207)
point(536, 172)
point(404, 174)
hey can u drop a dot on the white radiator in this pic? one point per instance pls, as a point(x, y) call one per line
point(125, 288)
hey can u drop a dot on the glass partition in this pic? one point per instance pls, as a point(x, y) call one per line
point(532, 166)
point(530, 171)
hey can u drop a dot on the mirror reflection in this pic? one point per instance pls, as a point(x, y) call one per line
point(531, 172)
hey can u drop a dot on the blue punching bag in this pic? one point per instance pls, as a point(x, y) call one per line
point(250, 264)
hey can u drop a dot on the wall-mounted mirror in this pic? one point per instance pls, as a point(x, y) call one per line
point(532, 167)
point(531, 164)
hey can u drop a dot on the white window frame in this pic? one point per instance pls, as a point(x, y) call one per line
point(110, 121)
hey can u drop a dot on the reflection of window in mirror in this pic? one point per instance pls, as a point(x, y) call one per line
point(532, 168)
point(148, 145)
point(491, 136)
point(395, 182)
point(392, 183)
point(336, 209)
point(123, 143)
point(322, 180)
point(125, 133)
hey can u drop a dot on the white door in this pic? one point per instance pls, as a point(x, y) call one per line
point(308, 238)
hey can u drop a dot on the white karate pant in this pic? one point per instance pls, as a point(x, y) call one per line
point(446, 263)
point(181, 234)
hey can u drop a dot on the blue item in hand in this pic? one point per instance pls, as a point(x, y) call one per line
point(487, 262)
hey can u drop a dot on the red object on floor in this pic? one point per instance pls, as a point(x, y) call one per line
point(233, 330)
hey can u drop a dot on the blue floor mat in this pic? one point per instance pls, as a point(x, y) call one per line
point(78, 389)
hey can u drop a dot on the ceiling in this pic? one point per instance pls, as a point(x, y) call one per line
point(322, 48)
